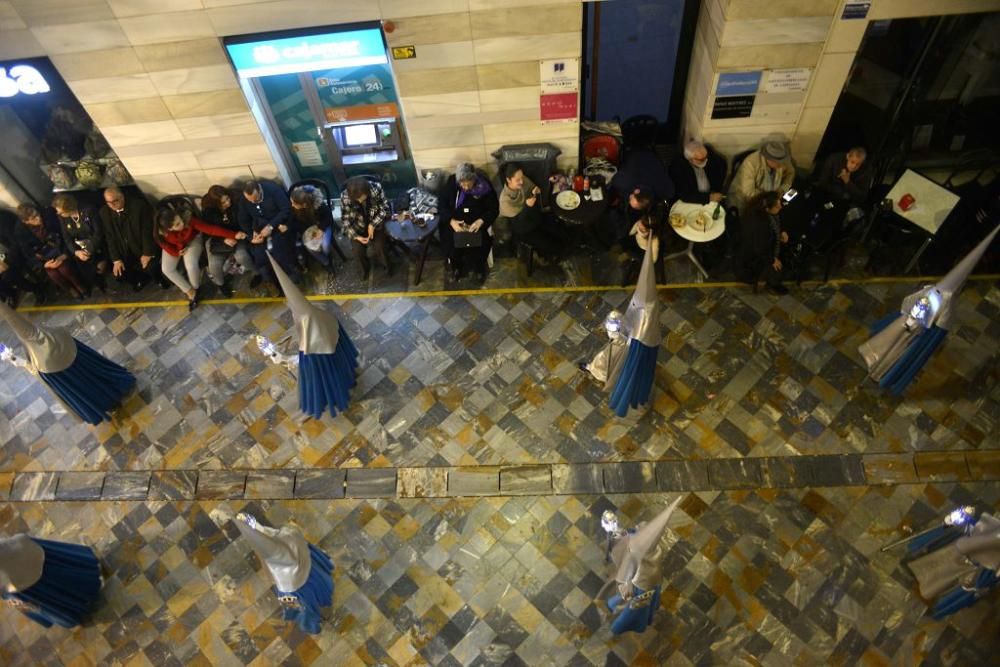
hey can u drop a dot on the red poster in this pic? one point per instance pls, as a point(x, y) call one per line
point(560, 106)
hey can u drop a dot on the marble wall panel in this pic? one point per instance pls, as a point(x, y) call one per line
point(776, 31)
point(80, 37)
point(445, 136)
point(177, 55)
point(172, 27)
point(286, 14)
point(159, 185)
point(392, 9)
point(98, 64)
point(195, 182)
point(845, 36)
point(437, 81)
point(506, 99)
point(829, 79)
point(206, 104)
point(438, 56)
point(772, 56)
point(446, 104)
point(447, 158)
point(9, 18)
point(20, 44)
point(508, 75)
point(755, 9)
point(434, 29)
point(194, 80)
point(125, 8)
point(224, 157)
point(528, 47)
point(164, 163)
point(143, 110)
point(142, 133)
point(201, 127)
point(113, 89)
point(527, 131)
point(539, 19)
point(48, 12)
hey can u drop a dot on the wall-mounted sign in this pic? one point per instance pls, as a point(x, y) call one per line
point(404, 52)
point(22, 79)
point(559, 76)
point(308, 53)
point(559, 107)
point(856, 9)
point(735, 94)
point(787, 80)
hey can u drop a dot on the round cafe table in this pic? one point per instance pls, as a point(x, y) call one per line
point(694, 235)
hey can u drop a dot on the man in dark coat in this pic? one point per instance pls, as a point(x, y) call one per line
point(700, 176)
point(846, 177)
point(127, 224)
point(265, 216)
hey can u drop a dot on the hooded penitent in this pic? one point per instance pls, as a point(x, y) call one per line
point(284, 552)
point(904, 341)
point(631, 378)
point(638, 555)
point(21, 561)
point(49, 350)
point(317, 329)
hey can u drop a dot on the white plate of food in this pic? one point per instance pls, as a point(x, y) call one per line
point(567, 200)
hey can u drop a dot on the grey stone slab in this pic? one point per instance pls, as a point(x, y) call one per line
point(220, 485)
point(836, 470)
point(526, 480)
point(320, 483)
point(682, 475)
point(270, 484)
point(173, 485)
point(6, 482)
point(80, 486)
point(785, 472)
point(577, 478)
point(34, 486)
point(125, 486)
point(422, 482)
point(734, 473)
point(483, 481)
point(371, 482)
point(629, 477)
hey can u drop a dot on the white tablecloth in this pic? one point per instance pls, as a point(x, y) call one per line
point(689, 211)
point(933, 202)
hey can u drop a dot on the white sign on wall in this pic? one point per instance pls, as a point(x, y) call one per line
point(787, 80)
point(22, 79)
point(560, 76)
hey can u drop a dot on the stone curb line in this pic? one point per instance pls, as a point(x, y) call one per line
point(533, 480)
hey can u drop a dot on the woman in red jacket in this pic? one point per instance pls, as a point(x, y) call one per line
point(179, 233)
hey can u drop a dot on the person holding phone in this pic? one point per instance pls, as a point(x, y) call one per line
point(365, 210)
point(470, 206)
point(83, 238)
point(519, 204)
point(761, 239)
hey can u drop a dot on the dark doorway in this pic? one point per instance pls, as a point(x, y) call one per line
point(636, 57)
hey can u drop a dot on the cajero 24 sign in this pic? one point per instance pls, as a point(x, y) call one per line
point(22, 79)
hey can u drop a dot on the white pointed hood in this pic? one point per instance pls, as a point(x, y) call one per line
point(50, 350)
point(633, 551)
point(284, 552)
point(642, 317)
point(318, 330)
point(952, 283)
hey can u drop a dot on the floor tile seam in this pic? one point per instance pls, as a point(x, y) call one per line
point(663, 475)
point(576, 289)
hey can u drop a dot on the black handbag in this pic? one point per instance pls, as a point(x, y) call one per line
point(468, 240)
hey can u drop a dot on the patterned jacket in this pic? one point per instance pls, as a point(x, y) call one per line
point(357, 217)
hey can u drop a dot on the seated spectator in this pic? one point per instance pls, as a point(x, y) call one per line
point(127, 226)
point(643, 170)
point(83, 237)
point(13, 278)
point(645, 232)
point(699, 177)
point(469, 206)
point(41, 246)
point(760, 242)
point(265, 215)
point(315, 222)
point(846, 178)
point(217, 209)
point(519, 204)
point(764, 170)
point(179, 234)
point(364, 210)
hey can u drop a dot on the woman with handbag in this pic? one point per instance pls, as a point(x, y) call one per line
point(82, 235)
point(468, 209)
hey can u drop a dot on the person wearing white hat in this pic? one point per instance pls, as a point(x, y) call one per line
point(89, 384)
point(302, 572)
point(52, 583)
point(328, 360)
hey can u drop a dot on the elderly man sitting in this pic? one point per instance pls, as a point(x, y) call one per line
point(846, 178)
point(766, 170)
point(699, 177)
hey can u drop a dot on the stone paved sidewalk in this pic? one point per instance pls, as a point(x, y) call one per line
point(752, 577)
